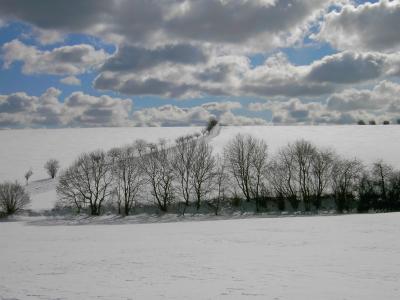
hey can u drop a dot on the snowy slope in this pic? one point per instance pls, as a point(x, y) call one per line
point(31, 148)
point(24, 149)
point(368, 143)
point(339, 257)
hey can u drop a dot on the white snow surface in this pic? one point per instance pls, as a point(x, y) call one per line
point(368, 143)
point(337, 257)
point(31, 148)
point(22, 149)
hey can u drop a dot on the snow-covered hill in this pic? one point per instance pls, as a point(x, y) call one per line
point(24, 149)
point(31, 148)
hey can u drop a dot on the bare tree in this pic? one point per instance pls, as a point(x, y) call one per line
point(69, 191)
point(237, 155)
point(282, 176)
point(202, 171)
point(345, 176)
point(381, 173)
point(127, 176)
point(52, 166)
point(156, 164)
point(394, 191)
point(220, 182)
point(114, 154)
point(183, 157)
point(28, 175)
point(301, 172)
point(303, 153)
point(87, 182)
point(258, 165)
point(279, 176)
point(322, 163)
point(13, 197)
point(246, 158)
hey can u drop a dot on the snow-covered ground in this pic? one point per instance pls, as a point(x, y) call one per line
point(31, 148)
point(368, 143)
point(338, 257)
point(140, 257)
point(23, 149)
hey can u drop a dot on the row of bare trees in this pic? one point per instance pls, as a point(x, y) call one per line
point(300, 176)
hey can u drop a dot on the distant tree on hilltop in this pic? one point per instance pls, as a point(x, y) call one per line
point(52, 166)
point(211, 124)
point(28, 175)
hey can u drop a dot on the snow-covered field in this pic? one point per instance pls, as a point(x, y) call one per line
point(339, 257)
point(31, 148)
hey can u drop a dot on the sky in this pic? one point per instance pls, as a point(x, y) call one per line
point(90, 63)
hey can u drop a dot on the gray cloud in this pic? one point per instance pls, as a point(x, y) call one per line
point(371, 27)
point(66, 60)
point(348, 67)
point(153, 86)
point(222, 106)
point(382, 96)
point(70, 80)
point(17, 102)
point(131, 58)
point(170, 115)
point(346, 107)
point(72, 15)
point(263, 24)
point(83, 110)
point(78, 109)
point(234, 76)
point(219, 21)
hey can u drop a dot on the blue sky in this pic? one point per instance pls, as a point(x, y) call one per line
point(284, 62)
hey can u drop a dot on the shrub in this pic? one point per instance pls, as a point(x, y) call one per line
point(52, 166)
point(211, 124)
point(236, 201)
point(28, 175)
point(13, 197)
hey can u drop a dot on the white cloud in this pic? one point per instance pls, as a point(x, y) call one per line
point(260, 25)
point(233, 75)
point(349, 67)
point(78, 109)
point(70, 80)
point(222, 106)
point(346, 107)
point(368, 26)
point(66, 60)
point(228, 118)
point(170, 115)
point(380, 98)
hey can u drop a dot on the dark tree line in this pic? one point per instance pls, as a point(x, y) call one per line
point(187, 174)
